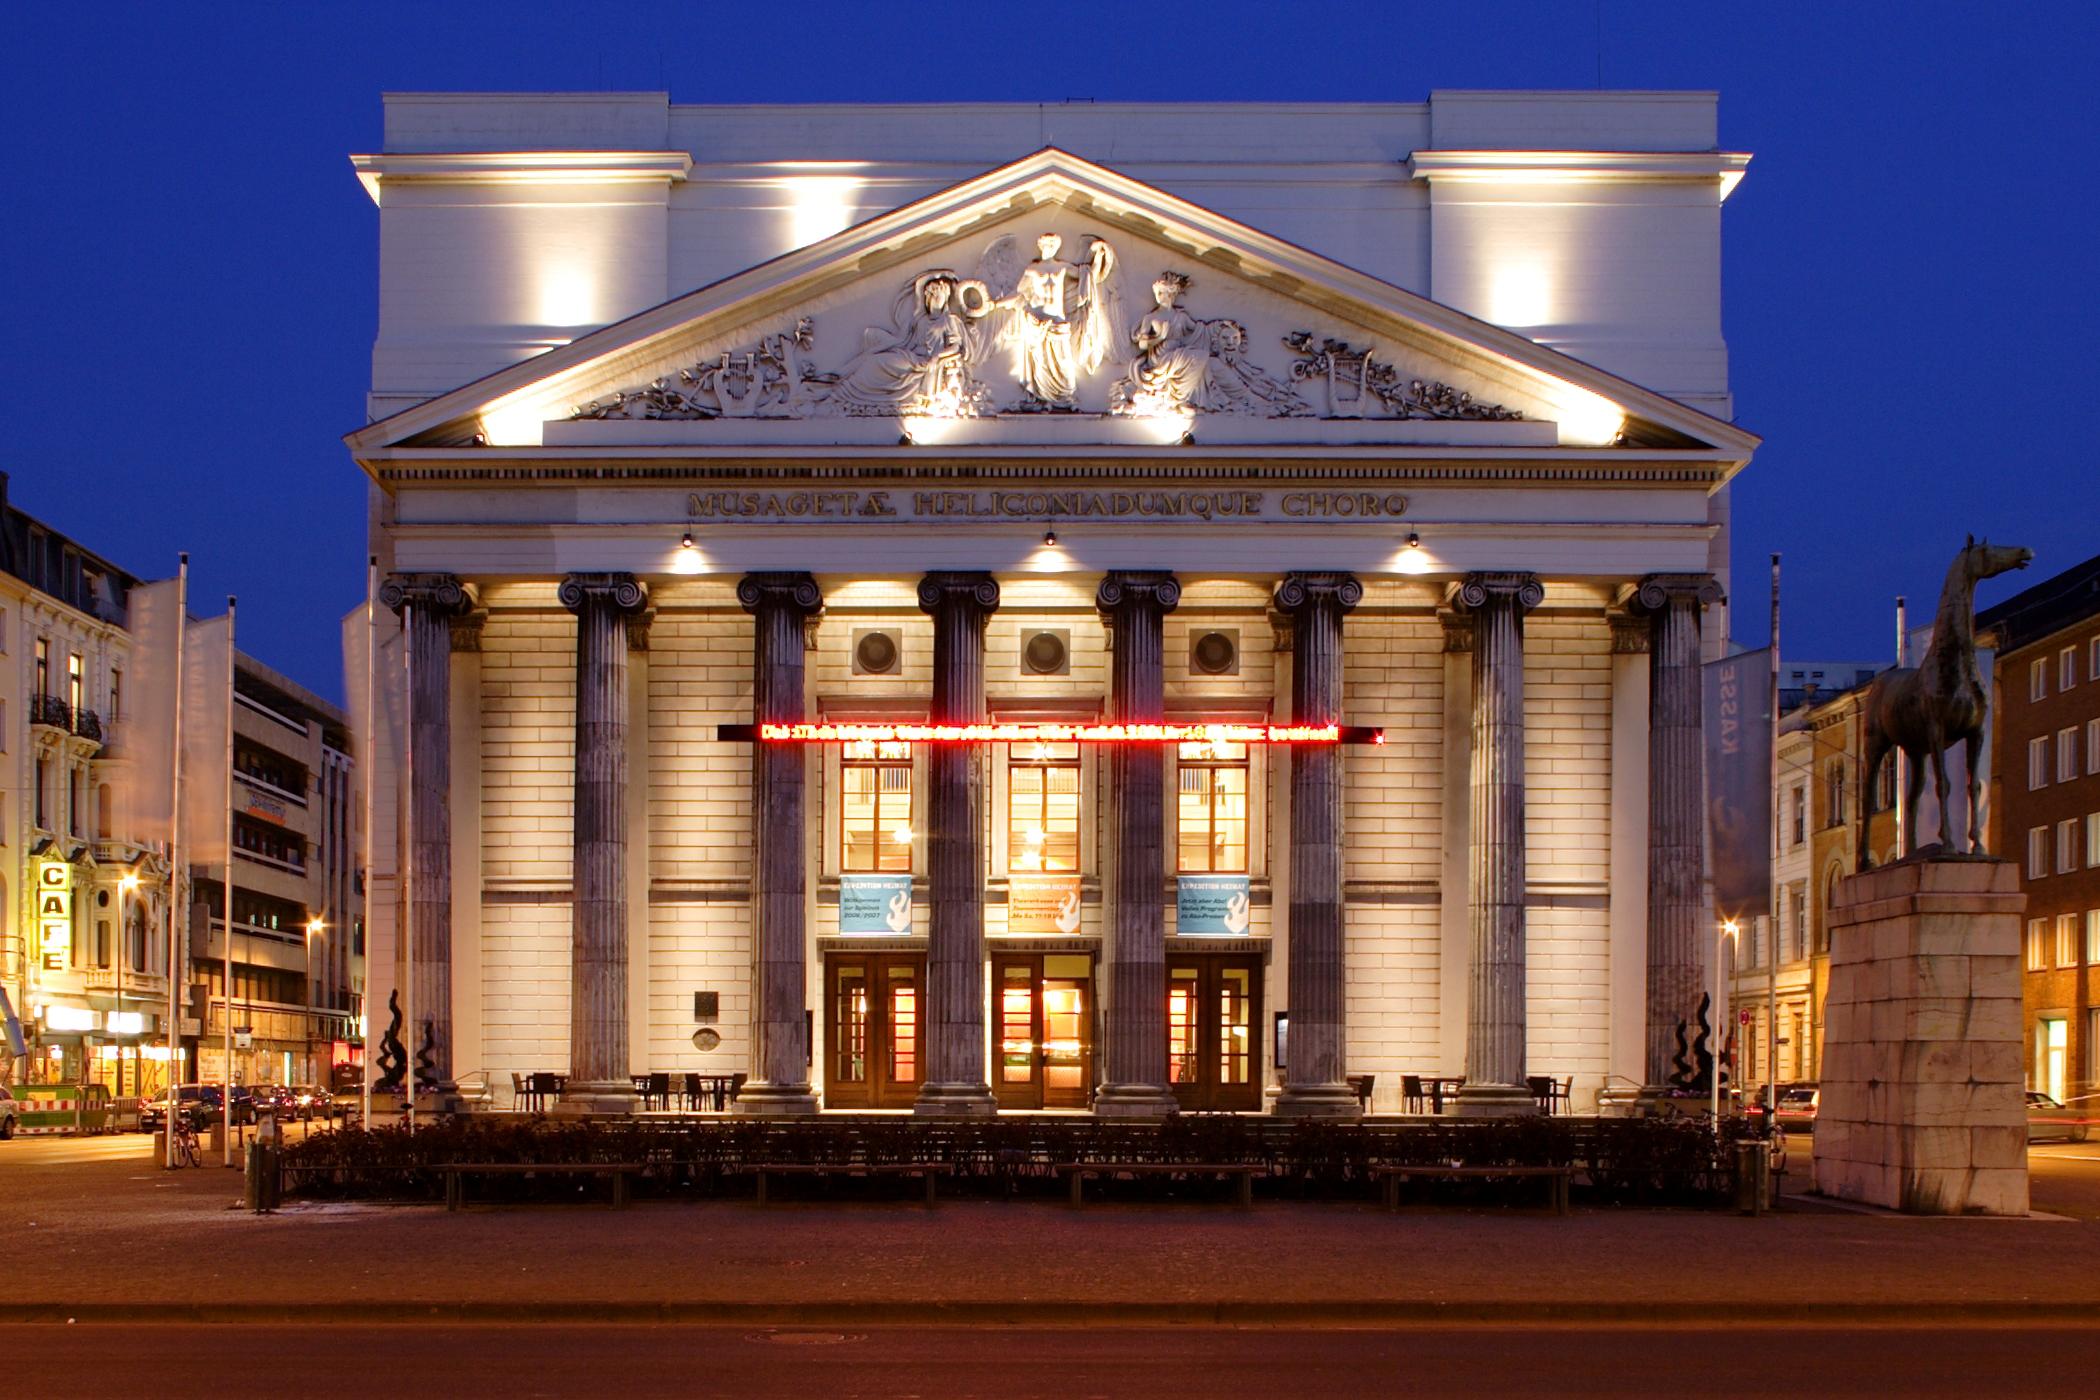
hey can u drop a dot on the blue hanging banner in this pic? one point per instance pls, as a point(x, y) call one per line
point(875, 904)
point(1212, 906)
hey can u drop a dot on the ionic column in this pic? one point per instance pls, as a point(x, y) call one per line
point(599, 1079)
point(780, 605)
point(1678, 933)
point(1135, 1085)
point(1495, 859)
point(1316, 1081)
point(428, 604)
point(955, 1081)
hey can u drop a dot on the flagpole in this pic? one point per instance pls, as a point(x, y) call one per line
point(1772, 888)
point(176, 872)
point(367, 760)
point(1901, 779)
point(226, 895)
point(408, 856)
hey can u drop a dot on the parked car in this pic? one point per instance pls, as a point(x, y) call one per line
point(2047, 1119)
point(310, 1102)
point(10, 1110)
point(273, 1099)
point(200, 1105)
point(1796, 1110)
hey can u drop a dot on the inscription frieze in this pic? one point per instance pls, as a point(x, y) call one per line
point(1025, 504)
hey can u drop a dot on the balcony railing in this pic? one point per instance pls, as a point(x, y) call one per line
point(87, 725)
point(50, 710)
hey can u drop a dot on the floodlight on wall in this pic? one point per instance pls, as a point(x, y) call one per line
point(1050, 537)
point(685, 541)
point(1414, 541)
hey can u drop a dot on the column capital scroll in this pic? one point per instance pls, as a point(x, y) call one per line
point(1138, 588)
point(624, 591)
point(950, 586)
point(439, 593)
point(1476, 590)
point(787, 589)
point(1300, 591)
point(1657, 591)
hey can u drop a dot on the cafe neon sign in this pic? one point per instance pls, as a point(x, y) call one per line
point(1002, 732)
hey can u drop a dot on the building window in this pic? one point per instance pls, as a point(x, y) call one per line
point(1800, 815)
point(2092, 658)
point(1885, 785)
point(2037, 945)
point(875, 832)
point(2038, 762)
point(1798, 916)
point(105, 810)
point(1836, 782)
point(116, 696)
point(2038, 679)
point(2051, 1052)
point(2067, 754)
point(2067, 940)
point(2092, 1037)
point(2067, 846)
point(43, 794)
point(2067, 668)
point(76, 686)
point(1213, 807)
point(1042, 829)
point(2092, 935)
point(2037, 852)
point(2092, 746)
point(43, 665)
point(76, 799)
point(2092, 839)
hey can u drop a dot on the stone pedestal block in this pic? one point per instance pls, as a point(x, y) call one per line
point(1922, 1105)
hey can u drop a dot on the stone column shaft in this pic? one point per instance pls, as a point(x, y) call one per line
point(1135, 1084)
point(780, 605)
point(1679, 934)
point(1495, 1026)
point(428, 604)
point(1316, 1082)
point(955, 1083)
point(598, 1062)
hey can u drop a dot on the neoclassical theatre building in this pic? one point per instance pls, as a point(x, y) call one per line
point(1090, 607)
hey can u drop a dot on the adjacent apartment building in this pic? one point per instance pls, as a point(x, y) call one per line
point(2046, 801)
point(298, 938)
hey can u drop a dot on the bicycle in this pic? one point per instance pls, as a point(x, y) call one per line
point(188, 1153)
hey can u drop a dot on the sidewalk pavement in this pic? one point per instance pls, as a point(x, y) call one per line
point(119, 1239)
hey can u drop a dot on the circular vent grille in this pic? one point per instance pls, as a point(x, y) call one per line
point(1044, 654)
point(875, 654)
point(1215, 654)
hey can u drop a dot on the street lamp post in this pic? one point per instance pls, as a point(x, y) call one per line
point(127, 890)
point(1730, 930)
point(314, 925)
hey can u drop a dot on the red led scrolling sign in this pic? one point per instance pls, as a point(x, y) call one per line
point(1045, 733)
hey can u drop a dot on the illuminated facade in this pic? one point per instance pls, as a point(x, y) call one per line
point(1407, 421)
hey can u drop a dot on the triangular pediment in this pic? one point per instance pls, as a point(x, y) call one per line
point(956, 319)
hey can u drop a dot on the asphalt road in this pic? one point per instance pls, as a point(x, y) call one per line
point(2063, 1178)
point(323, 1362)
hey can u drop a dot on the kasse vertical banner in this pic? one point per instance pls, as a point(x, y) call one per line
point(1738, 720)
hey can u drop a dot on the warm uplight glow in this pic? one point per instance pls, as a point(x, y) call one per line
point(1586, 419)
point(567, 295)
point(513, 425)
point(1520, 294)
point(819, 206)
point(1023, 733)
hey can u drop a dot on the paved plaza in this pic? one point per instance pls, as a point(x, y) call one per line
point(97, 1230)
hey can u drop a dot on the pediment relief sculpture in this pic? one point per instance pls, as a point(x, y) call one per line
point(1045, 335)
point(1185, 365)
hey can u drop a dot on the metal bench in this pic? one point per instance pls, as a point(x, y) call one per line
point(1242, 1173)
point(456, 1173)
point(930, 1172)
point(1556, 1179)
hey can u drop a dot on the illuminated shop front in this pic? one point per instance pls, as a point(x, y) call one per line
point(1008, 653)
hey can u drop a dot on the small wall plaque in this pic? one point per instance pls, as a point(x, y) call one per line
point(707, 1006)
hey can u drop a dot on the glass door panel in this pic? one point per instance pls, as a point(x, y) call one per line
point(1017, 1087)
point(846, 1067)
point(902, 979)
point(1065, 1048)
point(1235, 1025)
point(1184, 1015)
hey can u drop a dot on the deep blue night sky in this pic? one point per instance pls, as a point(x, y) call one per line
point(1911, 281)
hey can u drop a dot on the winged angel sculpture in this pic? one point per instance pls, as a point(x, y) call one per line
point(1057, 318)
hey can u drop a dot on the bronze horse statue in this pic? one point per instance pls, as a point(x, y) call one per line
point(1924, 709)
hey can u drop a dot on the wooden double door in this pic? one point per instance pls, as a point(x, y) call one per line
point(1214, 1030)
point(875, 1014)
point(1043, 1029)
